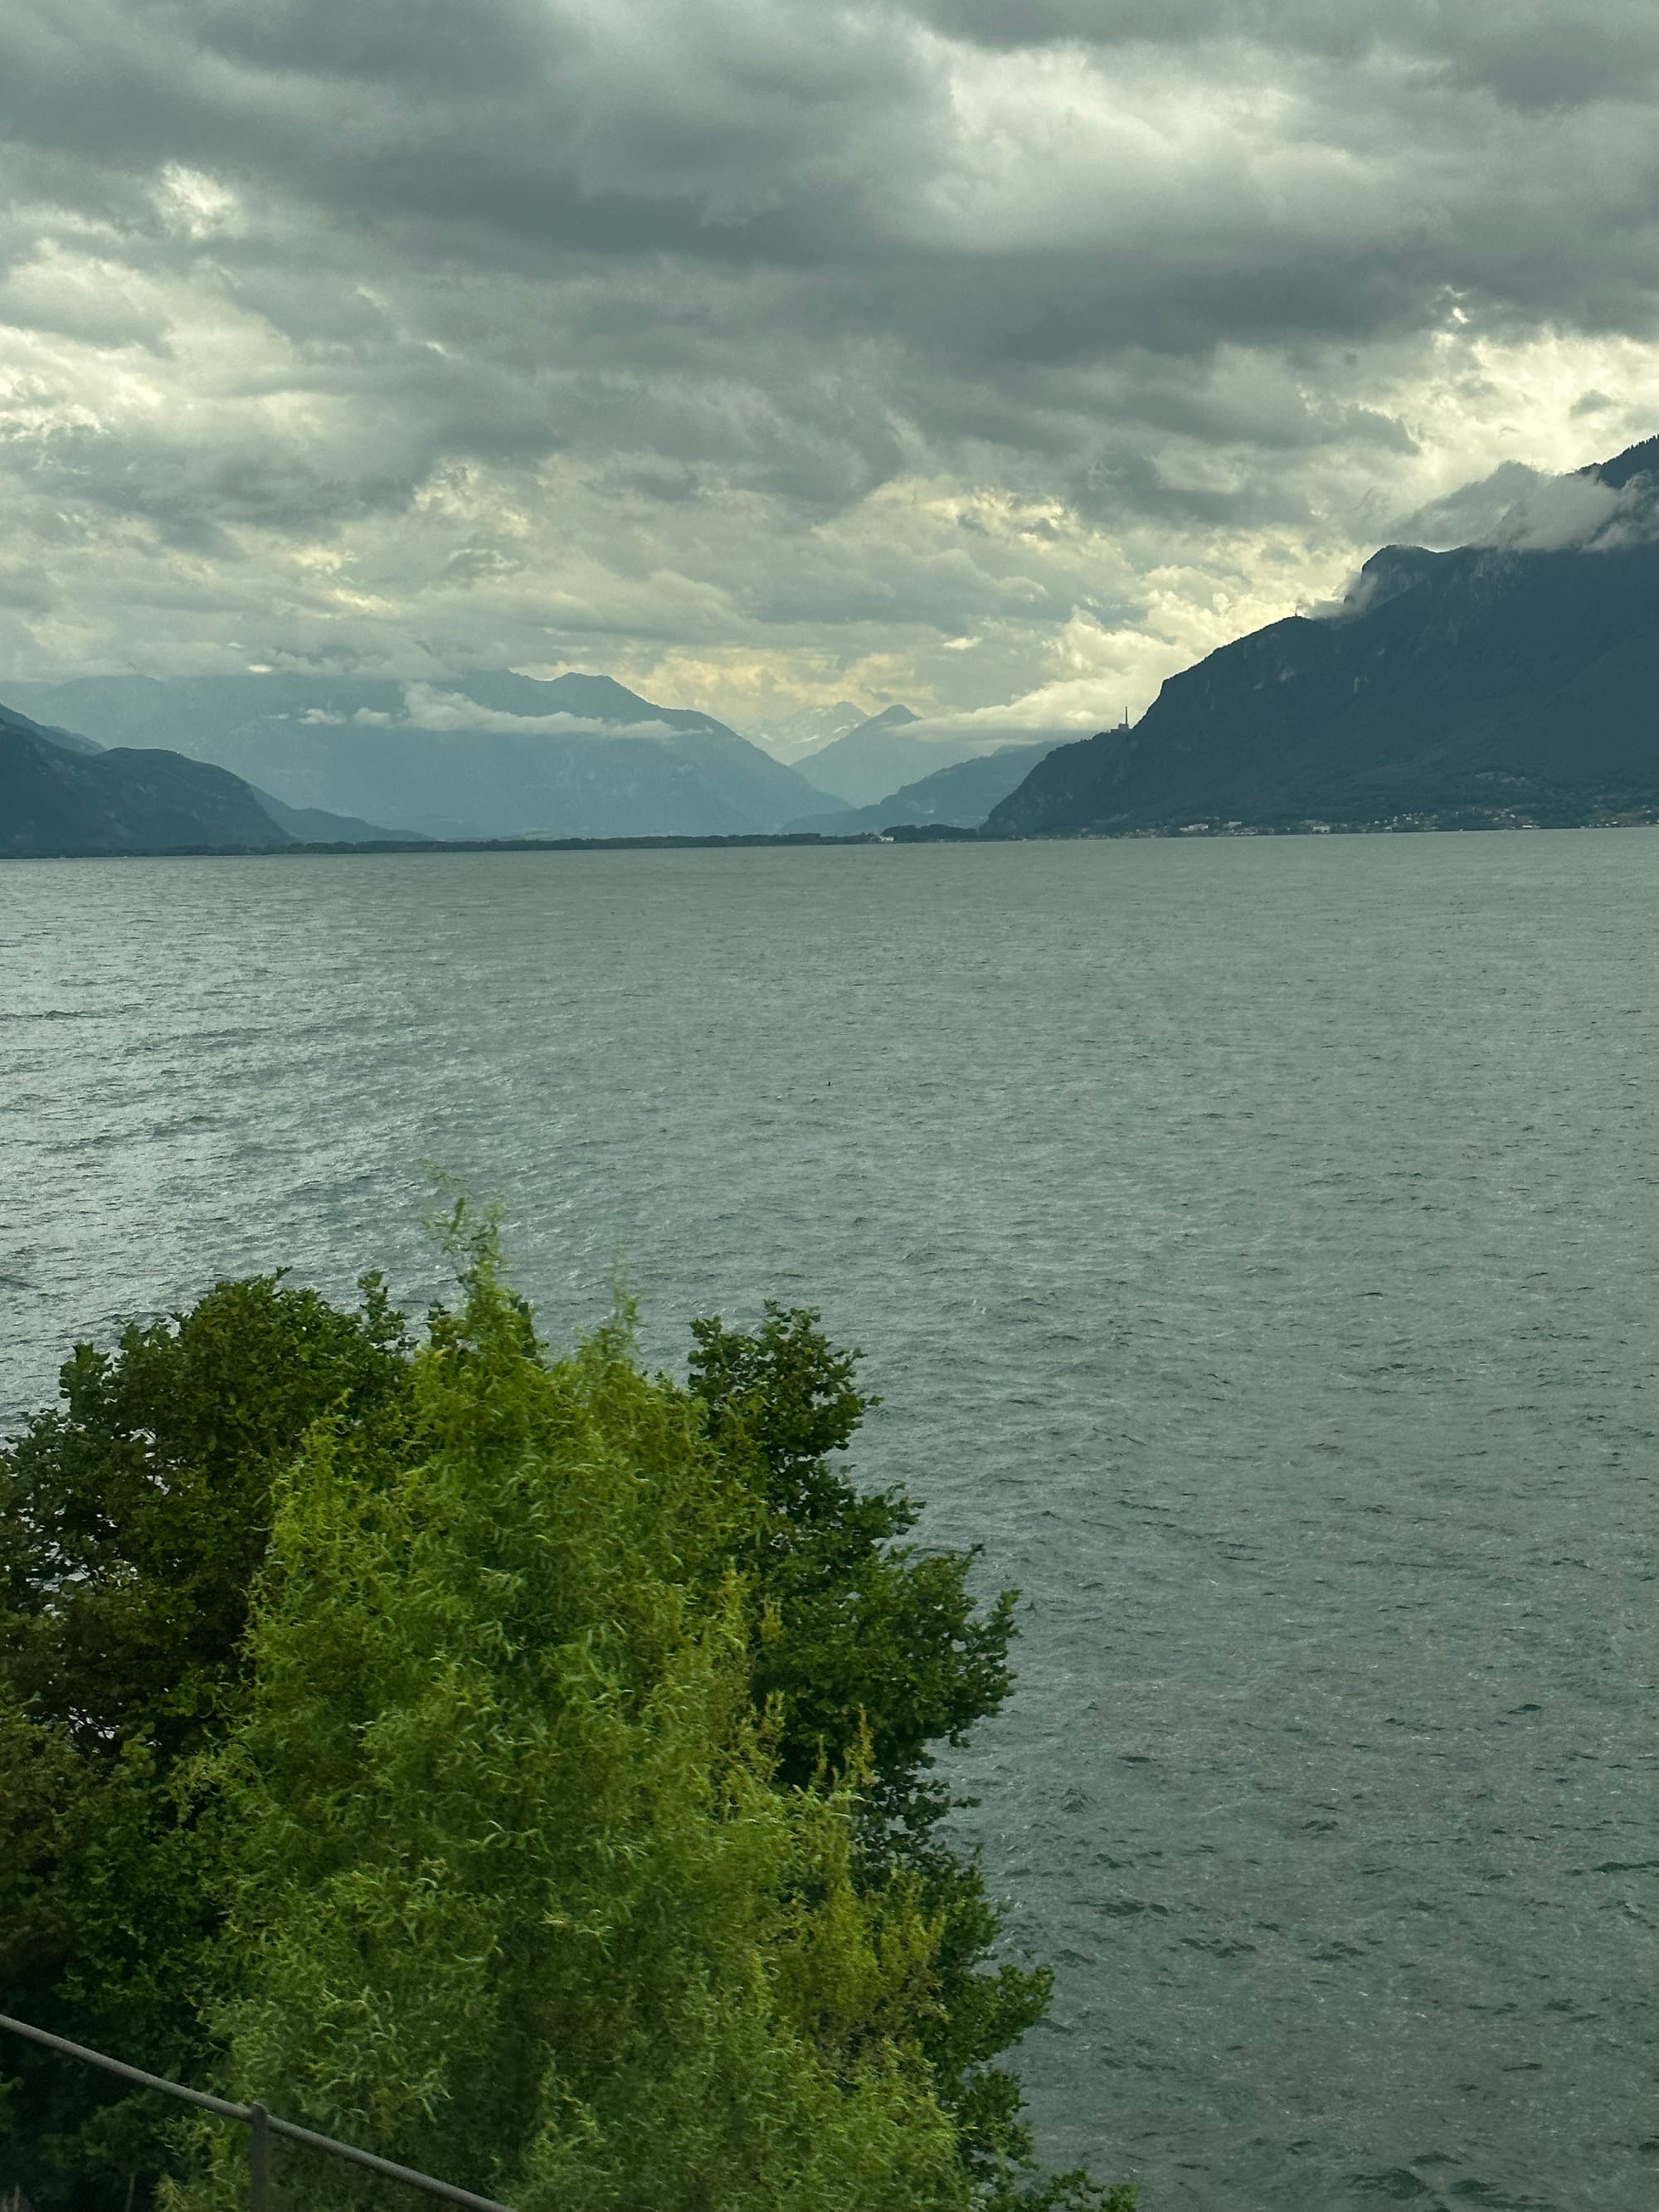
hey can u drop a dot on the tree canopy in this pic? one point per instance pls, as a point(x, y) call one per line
point(515, 1763)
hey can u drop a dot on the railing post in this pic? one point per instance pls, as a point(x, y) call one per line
point(261, 2124)
point(258, 2159)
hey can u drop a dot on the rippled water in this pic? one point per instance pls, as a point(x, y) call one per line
point(1256, 1244)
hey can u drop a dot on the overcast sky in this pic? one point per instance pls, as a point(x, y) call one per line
point(990, 354)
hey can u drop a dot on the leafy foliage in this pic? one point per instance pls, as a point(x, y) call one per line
point(862, 1638)
point(522, 1765)
point(871, 1652)
point(132, 1517)
point(514, 1888)
point(101, 1939)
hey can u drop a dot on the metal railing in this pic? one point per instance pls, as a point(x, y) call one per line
point(261, 2124)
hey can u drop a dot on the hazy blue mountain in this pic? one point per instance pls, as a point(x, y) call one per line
point(794, 738)
point(881, 755)
point(488, 754)
point(1490, 684)
point(962, 794)
point(314, 825)
point(61, 793)
point(57, 797)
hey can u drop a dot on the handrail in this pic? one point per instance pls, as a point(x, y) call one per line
point(262, 2126)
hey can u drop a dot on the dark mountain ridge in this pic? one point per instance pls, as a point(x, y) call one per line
point(1491, 685)
point(58, 797)
point(61, 793)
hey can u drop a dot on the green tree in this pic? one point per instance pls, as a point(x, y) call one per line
point(134, 1522)
point(101, 1936)
point(132, 1517)
point(516, 1885)
point(862, 1636)
point(871, 1652)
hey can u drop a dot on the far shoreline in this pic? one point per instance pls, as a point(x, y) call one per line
point(897, 834)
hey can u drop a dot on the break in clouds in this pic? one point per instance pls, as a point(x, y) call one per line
point(999, 355)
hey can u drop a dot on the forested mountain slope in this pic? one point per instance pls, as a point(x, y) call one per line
point(1489, 684)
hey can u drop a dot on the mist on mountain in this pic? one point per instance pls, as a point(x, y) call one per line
point(489, 753)
point(1506, 682)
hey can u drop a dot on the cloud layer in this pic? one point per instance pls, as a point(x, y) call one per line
point(997, 357)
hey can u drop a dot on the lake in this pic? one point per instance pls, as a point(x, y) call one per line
point(1256, 1243)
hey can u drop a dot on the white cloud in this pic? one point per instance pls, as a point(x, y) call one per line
point(195, 203)
point(426, 707)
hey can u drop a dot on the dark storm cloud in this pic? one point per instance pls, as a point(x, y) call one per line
point(1204, 171)
point(1530, 55)
point(668, 291)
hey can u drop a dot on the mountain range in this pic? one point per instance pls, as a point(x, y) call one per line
point(489, 754)
point(61, 793)
point(1502, 683)
point(883, 754)
point(961, 795)
point(792, 736)
point(1507, 682)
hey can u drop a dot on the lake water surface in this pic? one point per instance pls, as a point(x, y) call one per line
point(1256, 1244)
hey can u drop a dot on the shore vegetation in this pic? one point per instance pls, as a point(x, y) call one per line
point(514, 1762)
